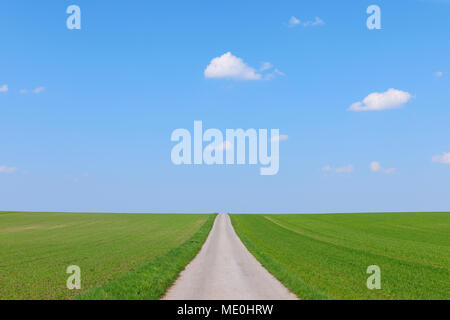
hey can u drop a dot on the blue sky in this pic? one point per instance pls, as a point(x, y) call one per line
point(86, 115)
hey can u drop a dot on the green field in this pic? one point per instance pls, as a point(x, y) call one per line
point(36, 249)
point(326, 256)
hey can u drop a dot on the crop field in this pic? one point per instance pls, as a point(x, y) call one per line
point(326, 256)
point(148, 250)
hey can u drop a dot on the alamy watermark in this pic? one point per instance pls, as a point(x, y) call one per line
point(74, 281)
point(374, 20)
point(229, 151)
point(374, 281)
point(74, 20)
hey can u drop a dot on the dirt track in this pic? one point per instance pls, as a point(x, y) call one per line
point(225, 270)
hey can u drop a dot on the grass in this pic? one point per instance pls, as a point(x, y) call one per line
point(36, 249)
point(326, 256)
point(151, 280)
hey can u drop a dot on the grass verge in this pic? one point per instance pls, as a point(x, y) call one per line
point(151, 280)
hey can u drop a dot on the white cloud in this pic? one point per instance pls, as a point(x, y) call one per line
point(375, 166)
point(231, 67)
point(266, 66)
point(35, 91)
point(390, 170)
point(5, 169)
point(38, 90)
point(273, 74)
point(281, 137)
point(276, 71)
point(293, 22)
point(443, 158)
point(439, 74)
point(346, 169)
point(390, 99)
point(317, 22)
point(4, 88)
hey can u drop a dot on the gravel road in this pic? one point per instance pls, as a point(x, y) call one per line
point(225, 270)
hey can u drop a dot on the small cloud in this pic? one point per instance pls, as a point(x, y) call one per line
point(230, 67)
point(35, 91)
point(273, 74)
point(7, 170)
point(375, 166)
point(376, 101)
point(38, 90)
point(4, 88)
point(317, 22)
point(281, 137)
point(266, 66)
point(438, 74)
point(293, 22)
point(443, 158)
point(344, 170)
